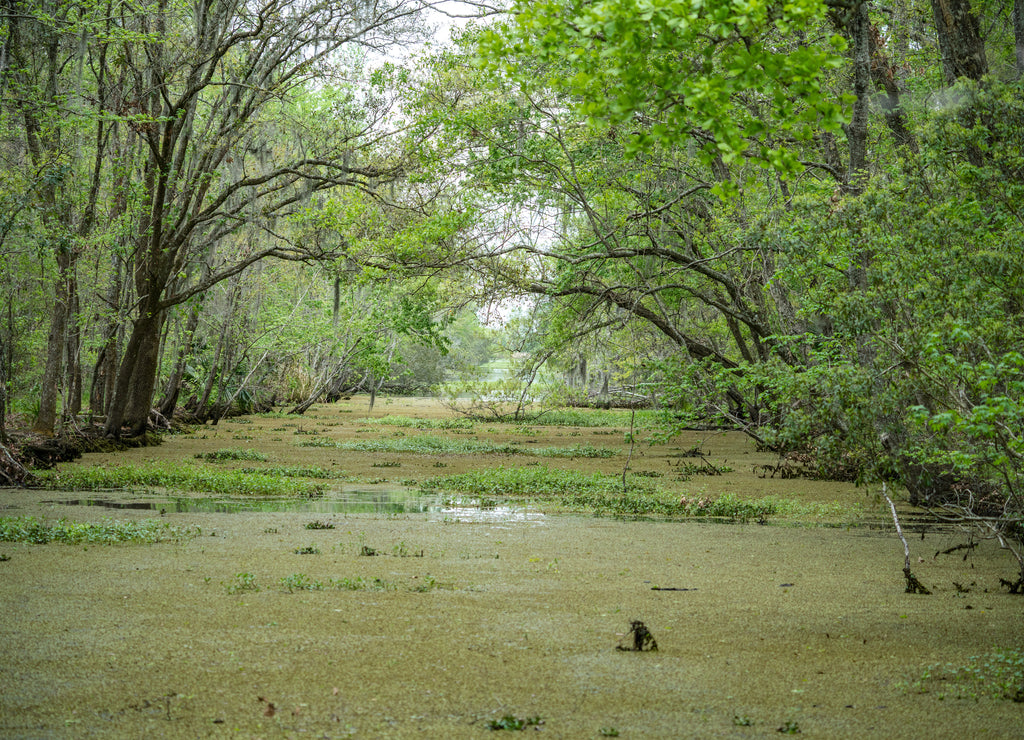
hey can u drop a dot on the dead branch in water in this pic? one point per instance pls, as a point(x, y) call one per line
point(914, 586)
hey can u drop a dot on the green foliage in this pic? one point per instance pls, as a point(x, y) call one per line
point(426, 444)
point(231, 454)
point(107, 531)
point(300, 582)
point(175, 477)
point(695, 64)
point(998, 674)
point(294, 471)
point(598, 493)
point(244, 582)
point(459, 425)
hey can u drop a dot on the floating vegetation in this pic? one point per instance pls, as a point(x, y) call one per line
point(599, 493)
point(456, 425)
point(177, 477)
point(243, 582)
point(298, 472)
point(231, 454)
point(302, 582)
point(307, 550)
point(591, 418)
point(427, 444)
point(534, 482)
point(998, 674)
point(317, 524)
point(106, 532)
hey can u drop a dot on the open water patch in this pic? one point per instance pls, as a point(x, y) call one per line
point(376, 501)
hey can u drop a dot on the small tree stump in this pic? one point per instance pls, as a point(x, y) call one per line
point(643, 640)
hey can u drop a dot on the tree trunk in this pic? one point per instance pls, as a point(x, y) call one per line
point(883, 72)
point(173, 388)
point(1018, 35)
point(73, 359)
point(857, 130)
point(3, 391)
point(960, 42)
point(136, 377)
point(46, 419)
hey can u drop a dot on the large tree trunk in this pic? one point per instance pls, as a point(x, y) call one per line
point(46, 418)
point(859, 28)
point(136, 377)
point(960, 42)
point(883, 72)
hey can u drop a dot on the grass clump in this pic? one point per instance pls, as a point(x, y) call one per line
point(176, 477)
point(598, 493)
point(533, 482)
point(243, 582)
point(297, 471)
point(595, 418)
point(457, 425)
point(231, 454)
point(998, 674)
point(106, 532)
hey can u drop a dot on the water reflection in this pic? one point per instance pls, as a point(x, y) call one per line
point(377, 501)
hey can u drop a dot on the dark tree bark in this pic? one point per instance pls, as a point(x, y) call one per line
point(960, 42)
point(1018, 35)
point(883, 73)
point(173, 388)
point(859, 29)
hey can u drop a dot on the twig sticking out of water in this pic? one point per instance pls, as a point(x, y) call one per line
point(914, 586)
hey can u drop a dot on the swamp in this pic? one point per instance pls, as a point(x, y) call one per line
point(412, 573)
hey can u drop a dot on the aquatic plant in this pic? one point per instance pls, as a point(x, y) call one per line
point(243, 582)
point(295, 471)
point(599, 493)
point(108, 531)
point(176, 477)
point(300, 582)
point(998, 674)
point(460, 425)
point(231, 454)
point(427, 444)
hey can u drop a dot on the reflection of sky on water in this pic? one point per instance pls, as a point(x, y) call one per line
point(377, 501)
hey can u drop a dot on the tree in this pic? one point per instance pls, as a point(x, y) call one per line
point(214, 82)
